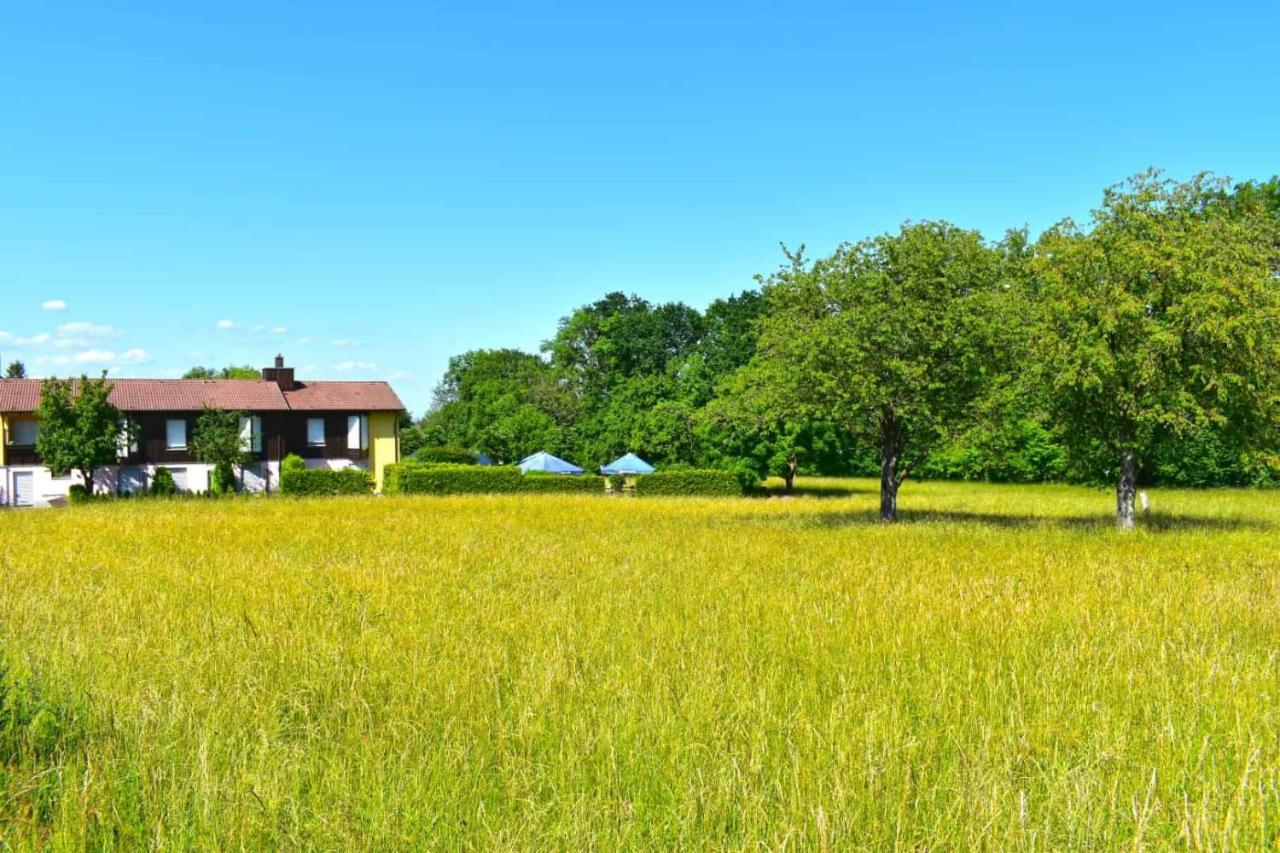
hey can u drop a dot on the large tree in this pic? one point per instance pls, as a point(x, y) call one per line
point(891, 338)
point(219, 440)
point(1162, 318)
point(504, 403)
point(15, 370)
point(79, 427)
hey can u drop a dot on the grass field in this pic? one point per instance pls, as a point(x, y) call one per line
point(1001, 670)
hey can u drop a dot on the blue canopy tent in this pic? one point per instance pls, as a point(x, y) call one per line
point(543, 461)
point(627, 464)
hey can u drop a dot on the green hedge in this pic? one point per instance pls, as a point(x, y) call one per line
point(576, 484)
point(415, 478)
point(444, 455)
point(689, 482)
point(297, 479)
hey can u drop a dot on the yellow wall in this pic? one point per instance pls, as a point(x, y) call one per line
point(384, 443)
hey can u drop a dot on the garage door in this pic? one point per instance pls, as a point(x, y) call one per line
point(24, 489)
point(179, 478)
point(132, 480)
point(252, 479)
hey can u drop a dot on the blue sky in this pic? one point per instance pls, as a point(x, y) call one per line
point(370, 187)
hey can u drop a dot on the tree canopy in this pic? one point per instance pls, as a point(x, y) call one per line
point(1161, 319)
point(79, 427)
point(232, 371)
point(1139, 347)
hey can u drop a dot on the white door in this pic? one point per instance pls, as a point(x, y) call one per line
point(24, 489)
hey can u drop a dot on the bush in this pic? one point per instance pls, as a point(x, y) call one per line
point(297, 479)
point(78, 494)
point(162, 484)
point(222, 480)
point(689, 482)
point(444, 455)
point(575, 484)
point(414, 478)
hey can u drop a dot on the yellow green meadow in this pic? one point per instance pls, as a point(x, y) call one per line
point(1001, 670)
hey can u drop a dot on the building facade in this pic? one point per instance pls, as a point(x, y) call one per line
point(328, 424)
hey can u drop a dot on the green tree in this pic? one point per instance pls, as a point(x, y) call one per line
point(233, 371)
point(218, 441)
point(620, 337)
point(1162, 318)
point(891, 339)
point(15, 370)
point(79, 427)
point(488, 396)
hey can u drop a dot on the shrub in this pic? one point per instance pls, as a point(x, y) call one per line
point(576, 484)
point(445, 455)
point(414, 478)
point(297, 479)
point(78, 494)
point(162, 483)
point(222, 480)
point(689, 482)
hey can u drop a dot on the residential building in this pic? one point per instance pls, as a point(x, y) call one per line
point(333, 424)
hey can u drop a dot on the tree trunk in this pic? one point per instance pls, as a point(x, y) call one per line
point(790, 476)
point(888, 486)
point(88, 480)
point(1126, 489)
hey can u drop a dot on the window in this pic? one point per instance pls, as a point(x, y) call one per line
point(175, 434)
point(357, 432)
point(251, 434)
point(127, 439)
point(315, 432)
point(24, 433)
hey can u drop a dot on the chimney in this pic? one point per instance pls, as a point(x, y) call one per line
point(279, 374)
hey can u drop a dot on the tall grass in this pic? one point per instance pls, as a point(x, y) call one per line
point(1001, 670)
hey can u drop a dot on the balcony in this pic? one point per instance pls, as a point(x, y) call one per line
point(21, 454)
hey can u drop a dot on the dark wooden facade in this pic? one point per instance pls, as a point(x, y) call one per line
point(282, 433)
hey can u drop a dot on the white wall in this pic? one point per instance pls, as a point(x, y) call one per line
point(50, 490)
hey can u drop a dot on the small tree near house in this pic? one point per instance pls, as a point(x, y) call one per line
point(15, 370)
point(79, 428)
point(218, 441)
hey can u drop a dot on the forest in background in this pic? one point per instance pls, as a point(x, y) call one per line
point(715, 388)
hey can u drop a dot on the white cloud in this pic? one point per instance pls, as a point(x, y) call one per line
point(53, 305)
point(136, 355)
point(93, 355)
point(400, 374)
point(33, 341)
point(355, 365)
point(5, 336)
point(226, 324)
point(87, 330)
point(279, 330)
point(343, 342)
point(304, 341)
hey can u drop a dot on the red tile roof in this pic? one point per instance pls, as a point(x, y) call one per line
point(245, 395)
point(364, 396)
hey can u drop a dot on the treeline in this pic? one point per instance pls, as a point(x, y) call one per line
point(1141, 348)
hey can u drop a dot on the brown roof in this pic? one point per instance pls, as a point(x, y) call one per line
point(246, 395)
point(365, 396)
